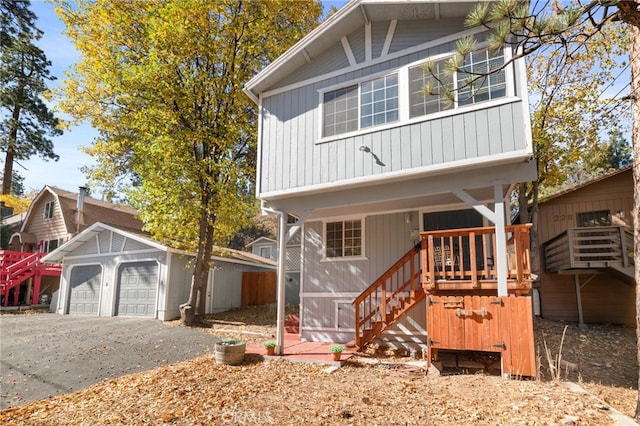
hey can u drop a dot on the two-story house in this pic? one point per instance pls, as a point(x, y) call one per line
point(382, 175)
point(54, 217)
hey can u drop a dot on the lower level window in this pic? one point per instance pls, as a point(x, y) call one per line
point(344, 239)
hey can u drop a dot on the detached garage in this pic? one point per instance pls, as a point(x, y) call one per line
point(107, 271)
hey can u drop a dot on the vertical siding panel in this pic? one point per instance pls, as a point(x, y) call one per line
point(269, 148)
point(376, 147)
point(415, 147)
point(426, 143)
point(514, 141)
point(332, 163)
point(495, 131)
point(350, 157)
point(311, 156)
point(386, 150)
point(286, 169)
point(404, 146)
point(295, 141)
point(459, 148)
point(302, 140)
point(396, 155)
point(367, 157)
point(279, 143)
point(508, 132)
point(470, 136)
point(436, 142)
point(447, 139)
point(482, 132)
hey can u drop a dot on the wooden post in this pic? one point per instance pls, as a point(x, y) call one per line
point(576, 280)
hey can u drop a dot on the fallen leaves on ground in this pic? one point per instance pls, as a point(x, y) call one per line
point(201, 392)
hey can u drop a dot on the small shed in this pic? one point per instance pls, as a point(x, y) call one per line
point(107, 271)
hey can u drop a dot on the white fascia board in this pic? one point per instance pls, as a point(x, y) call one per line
point(58, 254)
point(243, 262)
point(32, 206)
point(297, 48)
point(472, 163)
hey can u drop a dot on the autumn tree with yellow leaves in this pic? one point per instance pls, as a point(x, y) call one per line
point(161, 81)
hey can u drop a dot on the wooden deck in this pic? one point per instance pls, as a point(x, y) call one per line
point(454, 269)
point(589, 248)
point(464, 260)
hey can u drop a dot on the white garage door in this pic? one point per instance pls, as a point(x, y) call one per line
point(85, 289)
point(138, 284)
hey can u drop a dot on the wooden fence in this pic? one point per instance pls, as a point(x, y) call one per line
point(258, 288)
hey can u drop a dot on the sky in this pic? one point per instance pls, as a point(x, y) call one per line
point(64, 173)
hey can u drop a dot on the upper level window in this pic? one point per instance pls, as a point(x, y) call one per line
point(471, 85)
point(594, 218)
point(48, 210)
point(379, 101)
point(370, 103)
point(422, 103)
point(414, 91)
point(340, 111)
point(486, 87)
point(344, 239)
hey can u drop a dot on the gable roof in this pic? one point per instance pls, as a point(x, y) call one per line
point(575, 187)
point(262, 240)
point(223, 254)
point(351, 16)
point(94, 210)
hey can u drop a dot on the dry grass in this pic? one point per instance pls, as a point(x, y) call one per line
point(199, 392)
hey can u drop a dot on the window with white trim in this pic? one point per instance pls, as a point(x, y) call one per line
point(51, 245)
point(382, 100)
point(360, 106)
point(379, 101)
point(486, 87)
point(48, 210)
point(265, 252)
point(420, 77)
point(344, 238)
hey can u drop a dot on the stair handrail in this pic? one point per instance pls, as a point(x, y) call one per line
point(387, 298)
point(25, 264)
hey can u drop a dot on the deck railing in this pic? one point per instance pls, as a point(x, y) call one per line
point(390, 296)
point(464, 259)
point(586, 248)
point(16, 267)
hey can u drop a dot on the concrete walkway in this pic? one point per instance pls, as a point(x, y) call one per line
point(297, 350)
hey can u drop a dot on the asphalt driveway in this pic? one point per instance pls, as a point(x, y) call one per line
point(44, 355)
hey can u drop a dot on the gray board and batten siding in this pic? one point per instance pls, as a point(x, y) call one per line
point(293, 155)
point(329, 286)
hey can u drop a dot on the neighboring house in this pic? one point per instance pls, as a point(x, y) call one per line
point(587, 251)
point(350, 145)
point(108, 271)
point(267, 247)
point(54, 217)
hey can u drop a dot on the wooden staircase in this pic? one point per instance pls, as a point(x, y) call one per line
point(385, 301)
point(17, 267)
point(454, 271)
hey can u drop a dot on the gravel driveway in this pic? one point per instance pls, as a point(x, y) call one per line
point(44, 355)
